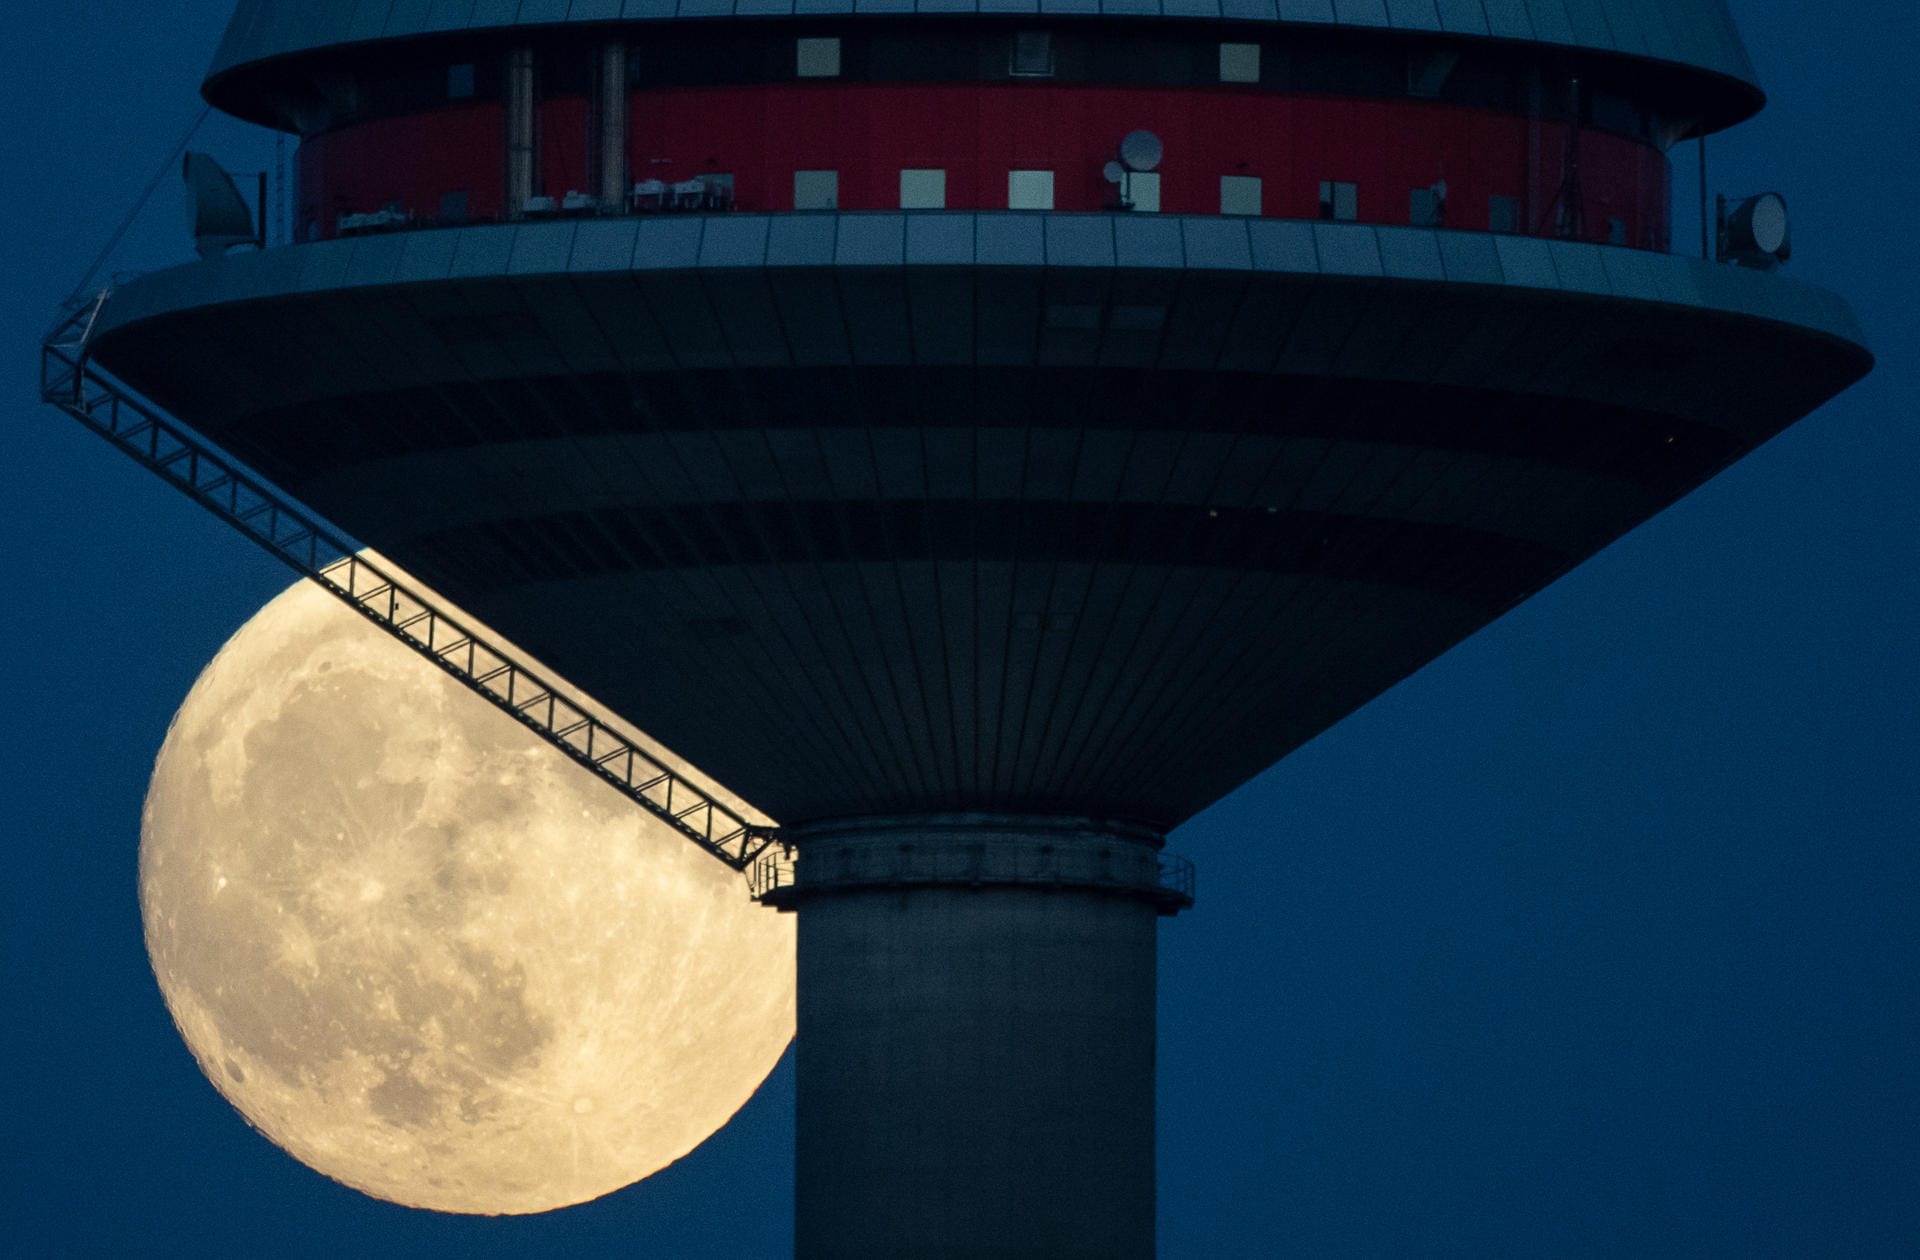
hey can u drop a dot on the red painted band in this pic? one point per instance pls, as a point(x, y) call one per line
point(977, 133)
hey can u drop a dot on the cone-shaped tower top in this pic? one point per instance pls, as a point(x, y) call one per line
point(1694, 39)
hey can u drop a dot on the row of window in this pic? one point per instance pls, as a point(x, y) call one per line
point(1300, 62)
point(1030, 56)
point(926, 189)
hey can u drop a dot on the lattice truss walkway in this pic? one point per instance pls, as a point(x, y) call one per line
point(298, 538)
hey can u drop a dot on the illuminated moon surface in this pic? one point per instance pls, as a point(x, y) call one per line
point(426, 954)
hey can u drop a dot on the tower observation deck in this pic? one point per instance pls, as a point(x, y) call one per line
point(981, 436)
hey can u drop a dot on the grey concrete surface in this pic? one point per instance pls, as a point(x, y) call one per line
point(1014, 1022)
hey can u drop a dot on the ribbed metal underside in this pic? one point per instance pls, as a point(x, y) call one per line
point(1695, 33)
point(1112, 590)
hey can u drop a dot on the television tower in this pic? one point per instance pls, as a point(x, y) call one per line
point(981, 434)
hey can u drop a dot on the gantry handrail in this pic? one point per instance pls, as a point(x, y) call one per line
point(778, 872)
point(301, 540)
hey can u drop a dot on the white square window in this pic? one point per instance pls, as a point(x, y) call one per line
point(816, 190)
point(1427, 72)
point(817, 58)
point(1426, 207)
point(923, 190)
point(1339, 201)
point(1029, 190)
point(1503, 214)
point(1032, 54)
point(1239, 63)
point(1240, 194)
point(1143, 190)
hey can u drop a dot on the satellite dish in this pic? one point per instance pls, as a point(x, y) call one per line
point(218, 213)
point(1141, 150)
point(1755, 233)
point(1766, 222)
point(1114, 172)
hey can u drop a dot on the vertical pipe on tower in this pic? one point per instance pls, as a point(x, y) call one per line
point(1706, 247)
point(613, 128)
point(520, 131)
point(975, 1051)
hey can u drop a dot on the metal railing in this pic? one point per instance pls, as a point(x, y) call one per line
point(1177, 877)
point(770, 874)
point(299, 539)
point(775, 872)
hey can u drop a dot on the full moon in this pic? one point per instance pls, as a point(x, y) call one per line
point(426, 954)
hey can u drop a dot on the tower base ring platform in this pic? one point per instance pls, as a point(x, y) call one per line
point(973, 850)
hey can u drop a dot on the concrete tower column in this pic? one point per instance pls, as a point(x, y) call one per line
point(522, 130)
point(613, 129)
point(975, 1054)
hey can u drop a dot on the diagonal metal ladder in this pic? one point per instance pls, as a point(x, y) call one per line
point(299, 539)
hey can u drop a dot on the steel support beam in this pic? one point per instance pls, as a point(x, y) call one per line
point(299, 539)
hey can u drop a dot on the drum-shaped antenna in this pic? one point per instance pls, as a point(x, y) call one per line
point(219, 214)
point(1141, 150)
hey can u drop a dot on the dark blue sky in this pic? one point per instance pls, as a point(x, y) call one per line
point(1600, 936)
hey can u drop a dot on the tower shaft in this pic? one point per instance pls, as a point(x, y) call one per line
point(976, 1037)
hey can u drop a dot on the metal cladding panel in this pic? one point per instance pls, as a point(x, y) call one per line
point(1278, 245)
point(1216, 244)
point(1695, 33)
point(604, 245)
point(542, 12)
point(1409, 254)
point(1550, 22)
point(369, 20)
point(1413, 15)
point(1508, 19)
point(1657, 29)
point(1590, 26)
point(375, 261)
point(1623, 19)
point(734, 241)
point(236, 44)
point(324, 22)
point(1462, 17)
point(878, 240)
point(492, 13)
point(541, 252)
point(1347, 249)
point(410, 15)
point(1360, 12)
point(1109, 522)
point(449, 15)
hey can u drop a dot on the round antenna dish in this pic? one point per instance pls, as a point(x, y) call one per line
point(1115, 172)
point(1756, 232)
point(1141, 150)
point(1767, 222)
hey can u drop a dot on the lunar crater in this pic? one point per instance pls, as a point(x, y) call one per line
point(425, 953)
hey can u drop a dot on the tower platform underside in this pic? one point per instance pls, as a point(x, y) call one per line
point(1019, 513)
